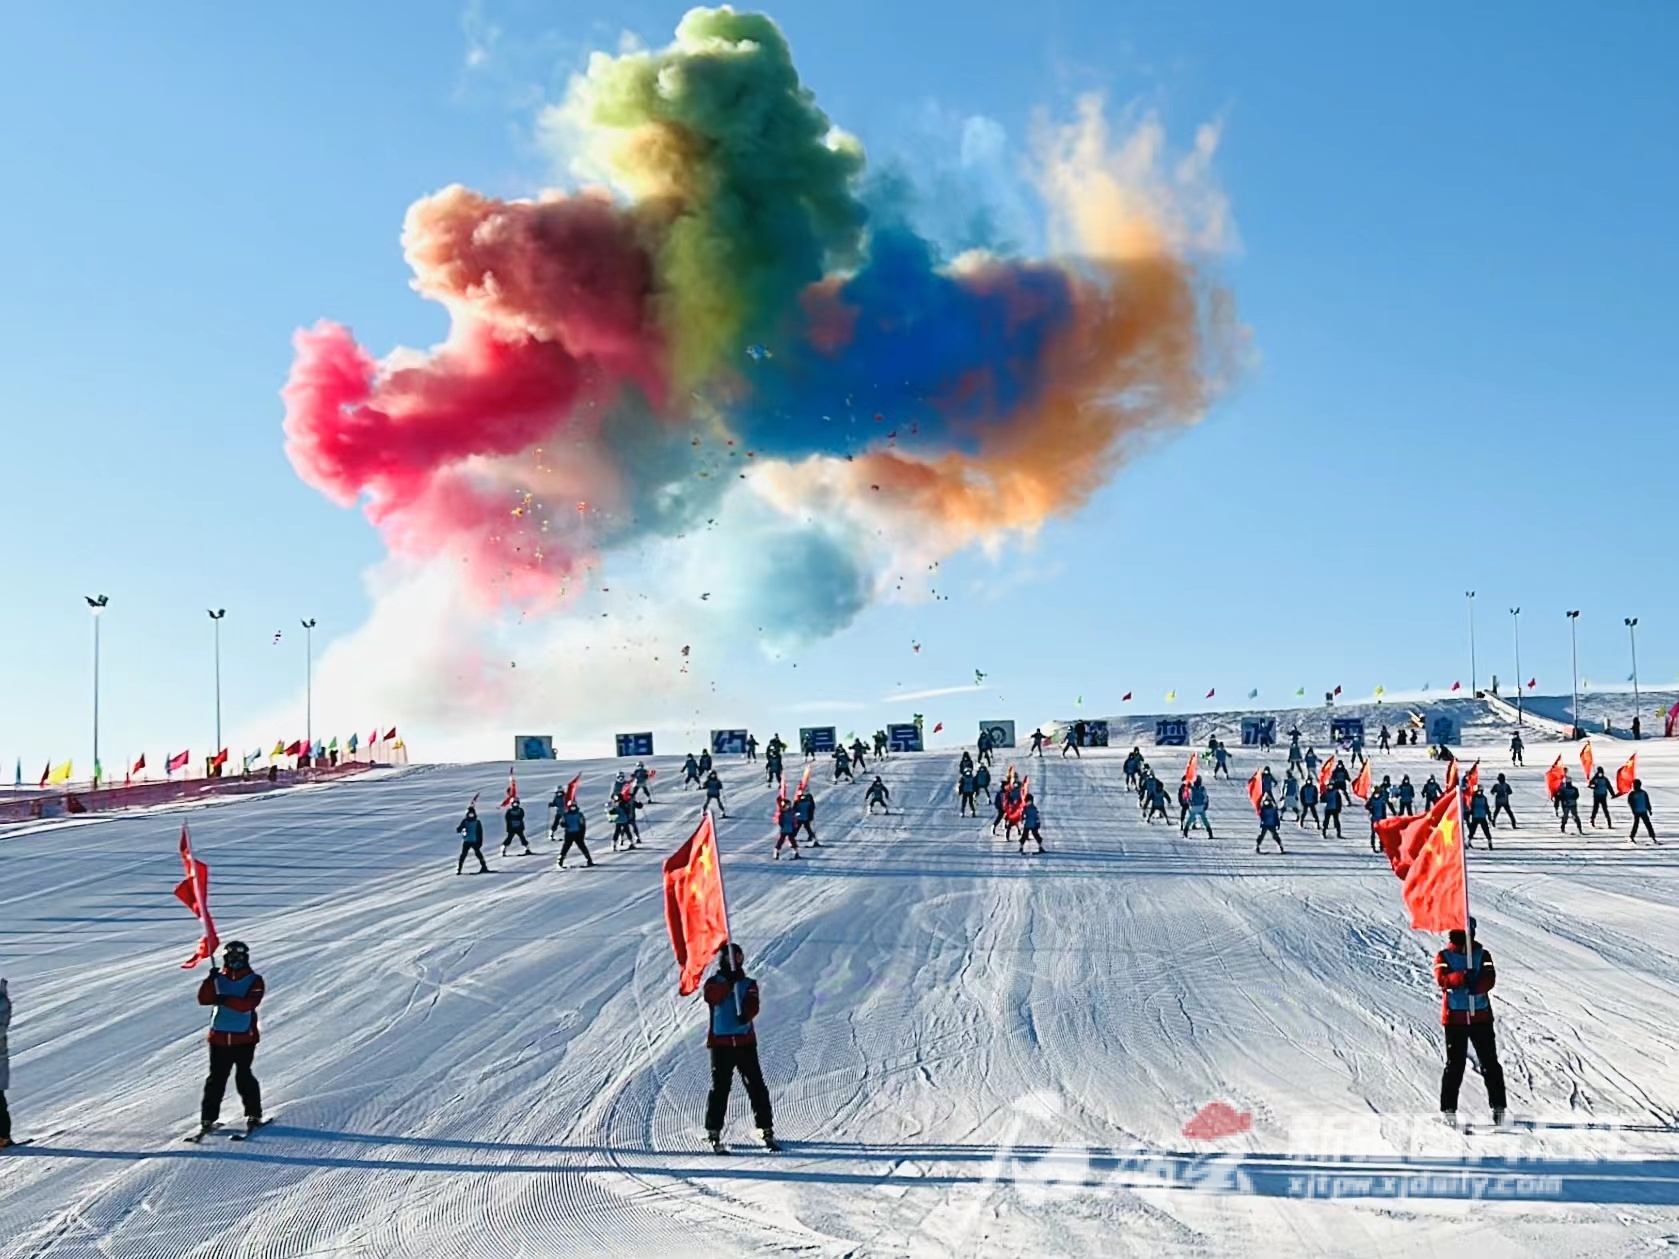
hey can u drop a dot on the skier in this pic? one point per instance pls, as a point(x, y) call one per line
point(1221, 760)
point(1465, 979)
point(1295, 759)
point(966, 764)
point(1478, 815)
point(690, 772)
point(514, 821)
point(807, 745)
point(878, 794)
point(982, 780)
point(787, 826)
point(1340, 779)
point(1311, 761)
point(1377, 807)
point(557, 807)
point(1501, 801)
point(1332, 802)
point(236, 991)
point(1516, 747)
point(1267, 782)
point(1001, 800)
point(880, 742)
point(1030, 821)
point(1184, 793)
point(858, 760)
point(576, 832)
point(1269, 818)
point(705, 762)
point(714, 794)
point(842, 766)
point(733, 1043)
point(965, 789)
point(1157, 802)
point(772, 768)
point(1356, 754)
point(804, 810)
point(471, 831)
point(1309, 803)
point(622, 811)
point(1431, 792)
point(1037, 748)
point(1601, 791)
point(1291, 793)
point(1568, 803)
point(751, 747)
point(1197, 809)
point(1133, 763)
point(1069, 744)
point(1638, 800)
point(641, 777)
point(1406, 793)
point(776, 746)
point(5, 1066)
point(984, 746)
point(1382, 740)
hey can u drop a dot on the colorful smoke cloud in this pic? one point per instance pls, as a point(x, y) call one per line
point(732, 309)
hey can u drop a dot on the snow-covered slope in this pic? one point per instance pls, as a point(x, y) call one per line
point(971, 1051)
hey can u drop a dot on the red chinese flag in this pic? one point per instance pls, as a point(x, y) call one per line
point(1256, 789)
point(1625, 775)
point(512, 789)
point(1472, 778)
point(1361, 784)
point(139, 764)
point(1436, 888)
point(1554, 777)
point(694, 912)
point(1402, 836)
point(1190, 770)
point(194, 892)
point(1451, 774)
point(1587, 761)
point(1324, 771)
point(1016, 808)
point(175, 762)
point(571, 790)
point(804, 778)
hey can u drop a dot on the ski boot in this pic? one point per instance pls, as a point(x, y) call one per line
point(1450, 1118)
point(770, 1143)
point(715, 1137)
point(1500, 1117)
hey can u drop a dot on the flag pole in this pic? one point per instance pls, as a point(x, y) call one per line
point(723, 896)
point(1463, 870)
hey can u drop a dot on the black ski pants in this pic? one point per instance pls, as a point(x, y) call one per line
point(5, 1119)
point(575, 841)
point(1272, 832)
point(236, 1059)
point(1458, 1039)
point(725, 1061)
point(1503, 806)
point(1603, 804)
point(1644, 820)
point(1571, 811)
point(477, 850)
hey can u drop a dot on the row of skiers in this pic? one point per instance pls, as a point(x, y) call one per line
point(1017, 808)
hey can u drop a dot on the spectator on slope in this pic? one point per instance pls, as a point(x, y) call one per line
point(1568, 803)
point(751, 747)
point(1309, 803)
point(1030, 823)
point(804, 809)
point(471, 831)
point(1501, 801)
point(513, 820)
point(842, 766)
point(622, 811)
point(1516, 747)
point(1333, 800)
point(965, 789)
point(1037, 748)
point(1602, 790)
point(1406, 793)
point(877, 794)
point(5, 1066)
point(705, 762)
point(1382, 741)
point(858, 759)
point(787, 826)
point(1221, 760)
point(690, 772)
point(1465, 976)
point(576, 828)
point(1269, 819)
point(733, 1043)
point(1479, 812)
point(1070, 744)
point(236, 991)
point(714, 794)
point(1638, 800)
point(641, 777)
point(1197, 812)
point(1431, 792)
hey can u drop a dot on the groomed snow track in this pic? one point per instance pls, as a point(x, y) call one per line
point(971, 1051)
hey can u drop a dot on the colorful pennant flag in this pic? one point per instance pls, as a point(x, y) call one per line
point(61, 773)
point(139, 764)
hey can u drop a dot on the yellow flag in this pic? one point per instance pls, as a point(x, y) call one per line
point(279, 748)
point(1170, 696)
point(1381, 690)
point(61, 773)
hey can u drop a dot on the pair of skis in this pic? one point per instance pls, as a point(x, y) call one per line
point(237, 1134)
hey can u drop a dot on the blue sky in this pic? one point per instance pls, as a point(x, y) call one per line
point(1457, 264)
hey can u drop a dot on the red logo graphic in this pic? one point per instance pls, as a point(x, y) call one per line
point(1215, 1120)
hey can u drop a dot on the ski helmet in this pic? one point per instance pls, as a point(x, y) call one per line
point(235, 955)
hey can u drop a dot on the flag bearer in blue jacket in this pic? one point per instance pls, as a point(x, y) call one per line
point(235, 990)
point(732, 995)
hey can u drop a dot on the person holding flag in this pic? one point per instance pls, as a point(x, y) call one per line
point(804, 810)
point(732, 1040)
point(787, 827)
point(235, 990)
point(1601, 792)
point(1031, 820)
point(642, 775)
point(1465, 974)
point(1269, 818)
point(1501, 791)
point(513, 821)
point(1568, 804)
point(576, 828)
